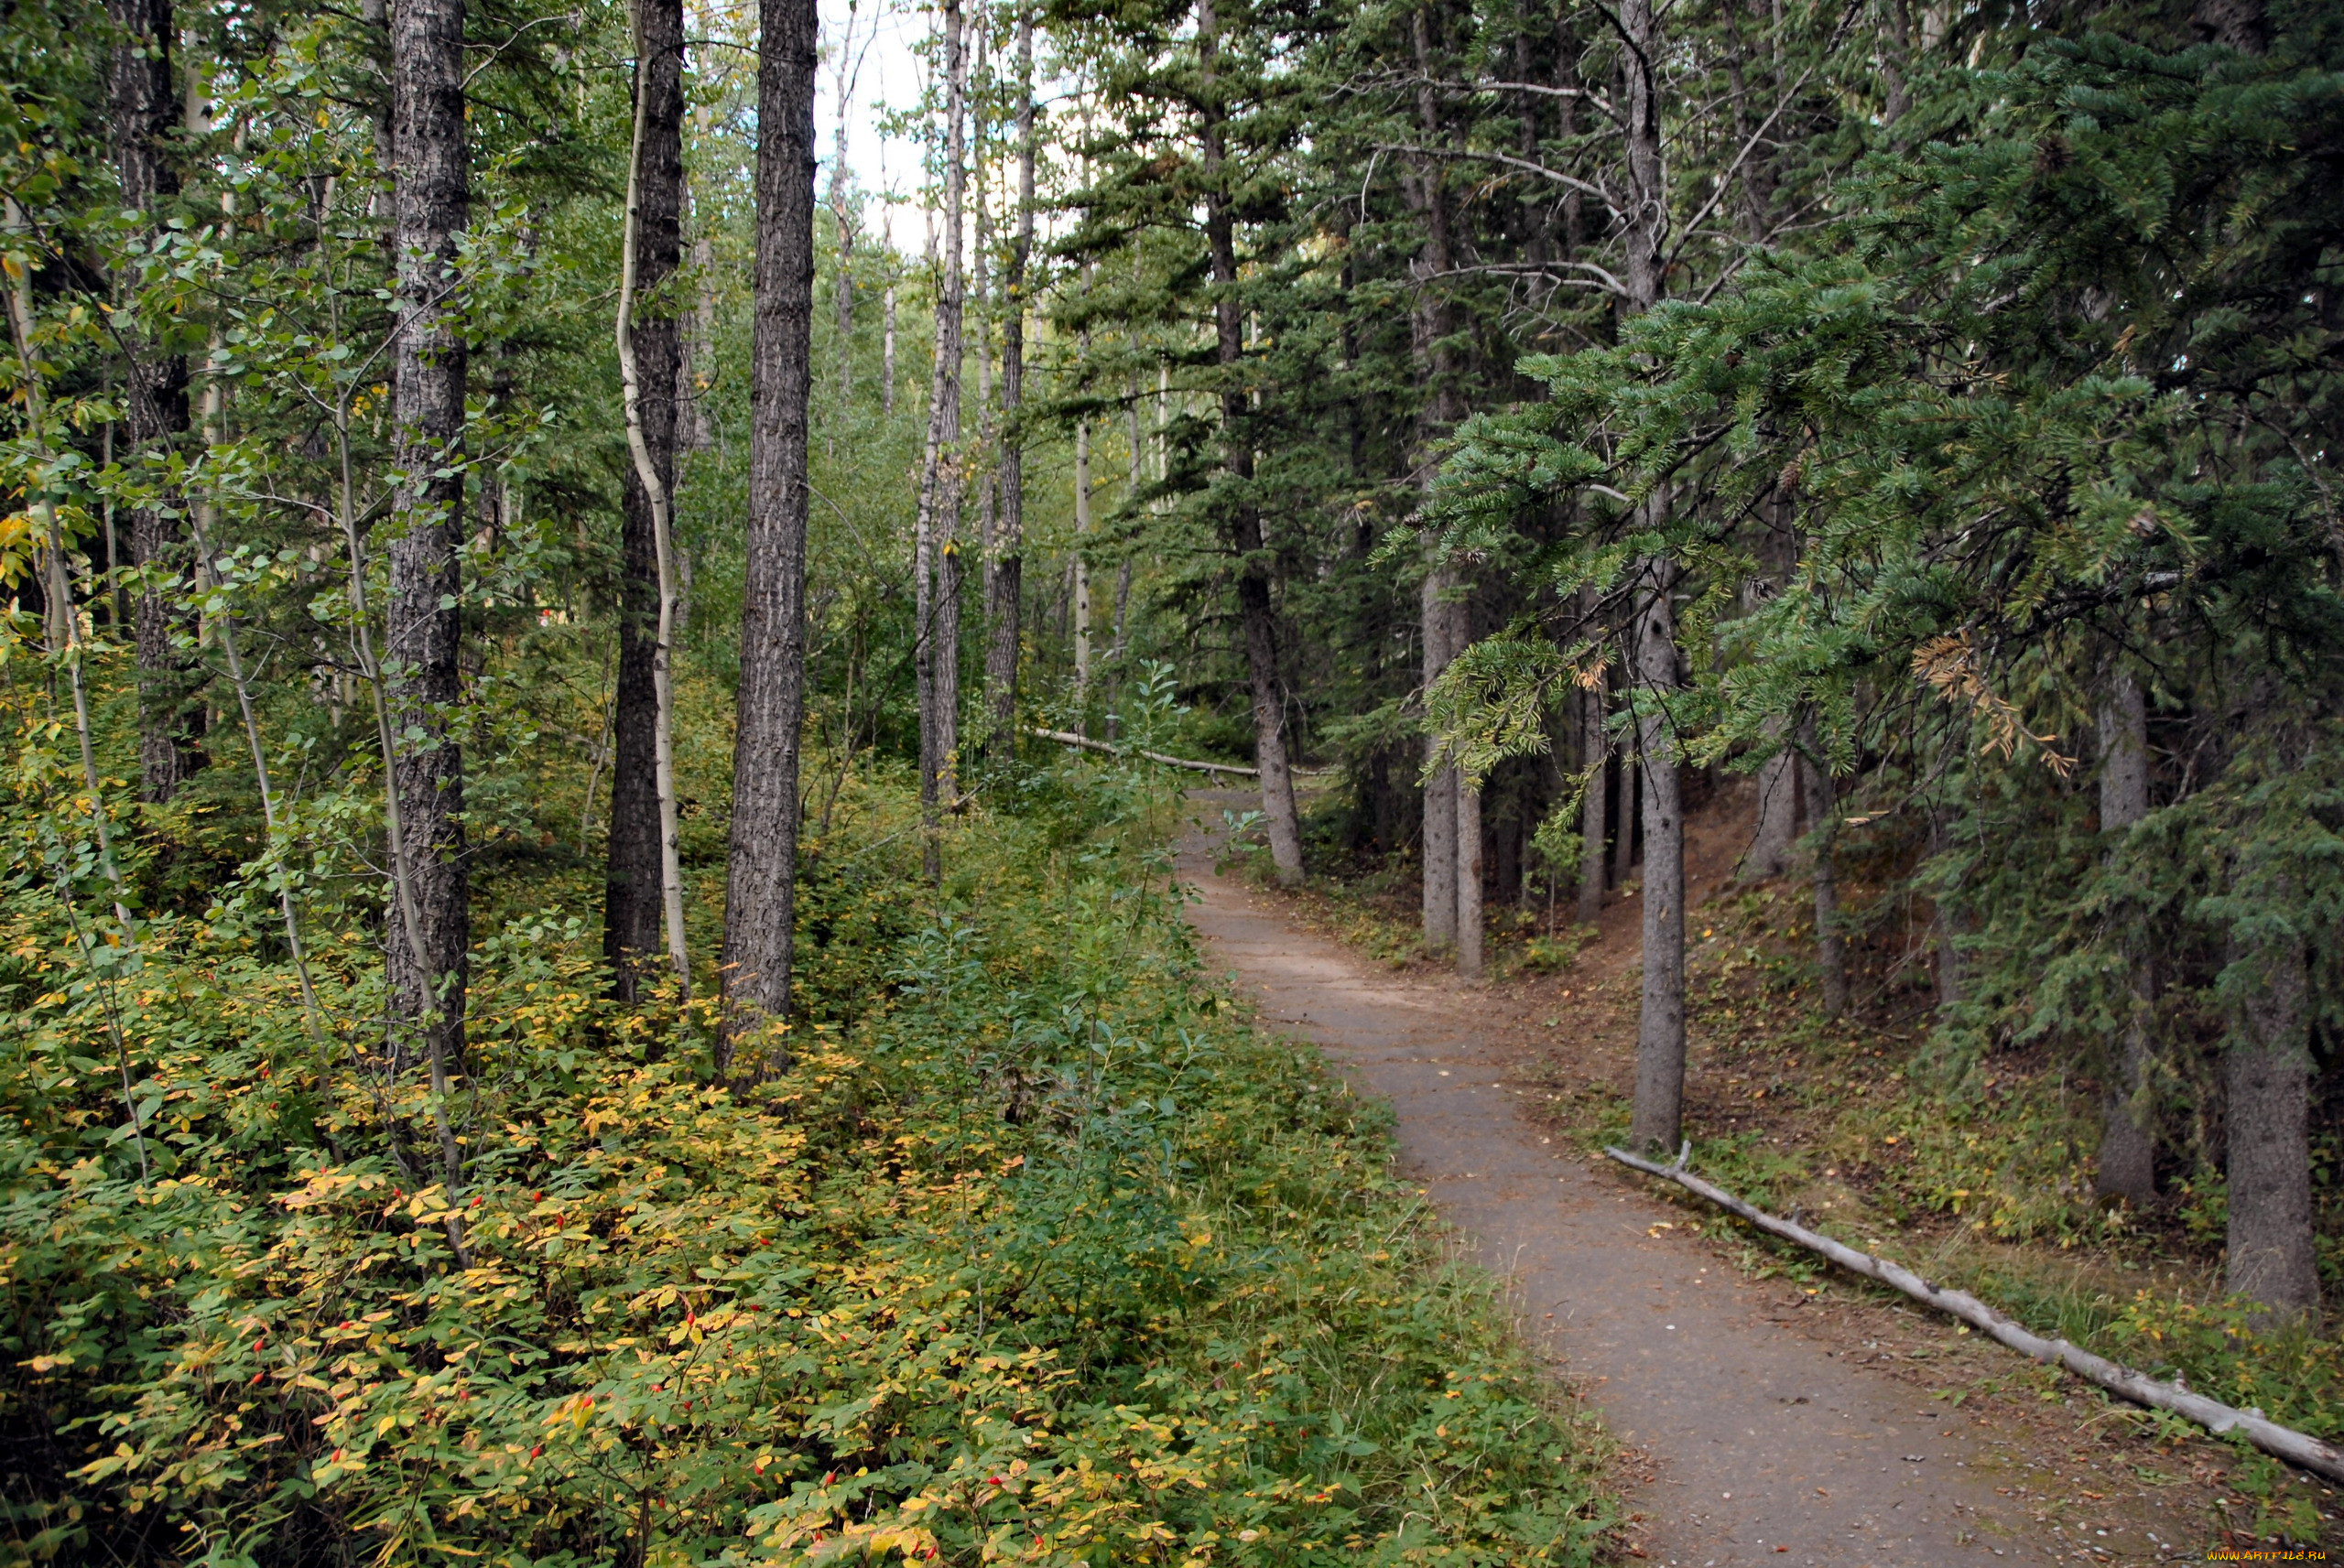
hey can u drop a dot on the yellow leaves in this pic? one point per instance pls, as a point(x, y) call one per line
point(324, 1186)
point(577, 1412)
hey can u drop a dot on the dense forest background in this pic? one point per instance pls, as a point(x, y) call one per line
point(590, 967)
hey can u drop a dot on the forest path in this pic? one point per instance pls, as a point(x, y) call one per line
point(1761, 1445)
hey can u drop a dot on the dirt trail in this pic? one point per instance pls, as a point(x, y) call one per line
point(1761, 1446)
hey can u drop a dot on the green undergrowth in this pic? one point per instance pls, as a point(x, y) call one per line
point(1037, 1253)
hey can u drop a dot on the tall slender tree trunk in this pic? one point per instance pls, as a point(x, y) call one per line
point(1081, 574)
point(430, 200)
point(643, 804)
point(844, 69)
point(2266, 1077)
point(1830, 945)
point(1438, 628)
point(760, 894)
point(1658, 1119)
point(1005, 563)
point(2267, 1067)
point(1468, 831)
point(1593, 863)
point(1255, 611)
point(888, 343)
point(1445, 809)
point(936, 649)
point(2127, 1139)
point(146, 108)
point(1777, 829)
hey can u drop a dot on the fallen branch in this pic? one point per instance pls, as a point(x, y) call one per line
point(2296, 1448)
point(1069, 738)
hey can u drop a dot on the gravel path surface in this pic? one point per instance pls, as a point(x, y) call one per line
point(1762, 1447)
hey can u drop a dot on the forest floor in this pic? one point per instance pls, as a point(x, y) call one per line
point(1771, 1413)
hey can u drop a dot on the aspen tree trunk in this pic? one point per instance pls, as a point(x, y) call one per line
point(840, 211)
point(430, 200)
point(1657, 1121)
point(144, 110)
point(887, 353)
point(1005, 563)
point(2127, 1144)
point(936, 640)
point(642, 884)
point(1254, 610)
point(760, 894)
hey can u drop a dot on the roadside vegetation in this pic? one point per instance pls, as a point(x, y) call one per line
point(1036, 1253)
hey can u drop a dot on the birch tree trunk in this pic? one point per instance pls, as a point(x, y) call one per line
point(936, 648)
point(1256, 612)
point(430, 200)
point(642, 884)
point(844, 71)
point(760, 894)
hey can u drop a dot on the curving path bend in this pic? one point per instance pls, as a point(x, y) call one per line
point(1762, 1447)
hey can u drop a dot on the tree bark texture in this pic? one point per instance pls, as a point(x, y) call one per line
point(1830, 947)
point(1005, 564)
point(935, 642)
point(1437, 627)
point(431, 200)
point(1778, 814)
point(1081, 574)
point(2127, 1139)
point(631, 881)
point(145, 105)
point(2267, 1080)
point(1658, 1119)
point(1448, 813)
point(760, 894)
point(1594, 747)
point(1470, 929)
point(1255, 611)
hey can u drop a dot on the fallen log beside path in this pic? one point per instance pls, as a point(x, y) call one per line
point(1069, 738)
point(2296, 1448)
